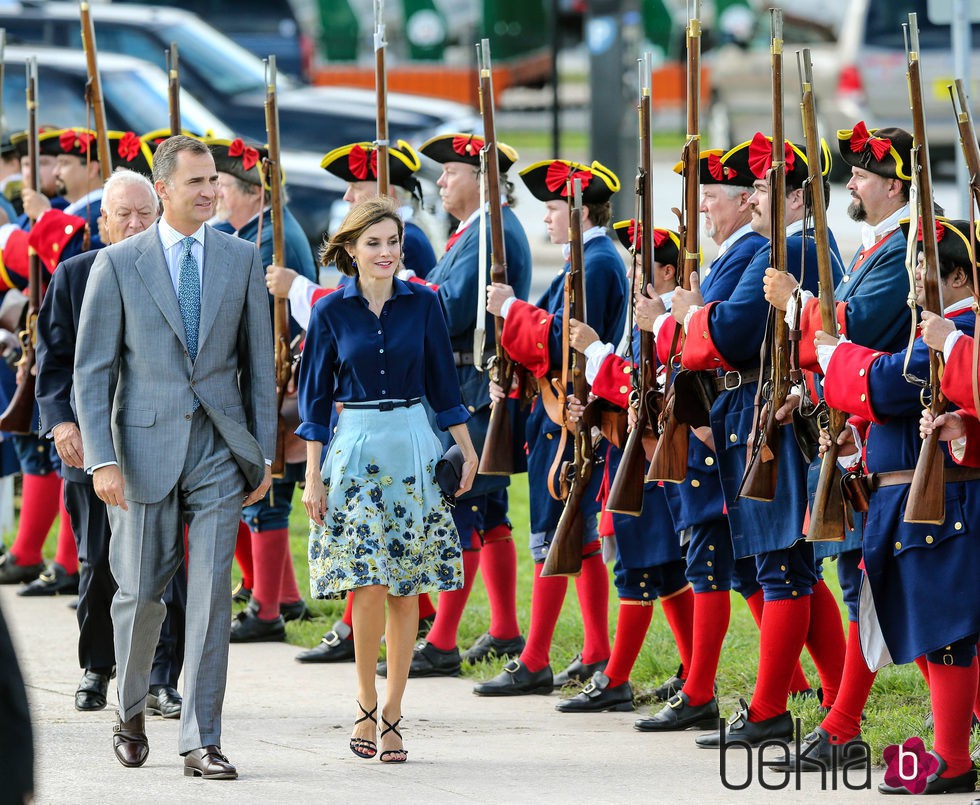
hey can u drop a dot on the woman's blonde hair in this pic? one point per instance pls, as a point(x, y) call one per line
point(362, 216)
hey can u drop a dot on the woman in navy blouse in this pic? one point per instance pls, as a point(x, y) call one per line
point(379, 523)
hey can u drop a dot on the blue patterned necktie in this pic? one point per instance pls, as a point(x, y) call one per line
point(189, 295)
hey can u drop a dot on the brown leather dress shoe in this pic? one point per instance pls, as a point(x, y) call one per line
point(209, 763)
point(129, 741)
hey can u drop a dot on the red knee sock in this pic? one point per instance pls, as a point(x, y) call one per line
point(923, 666)
point(499, 567)
point(243, 554)
point(679, 611)
point(825, 641)
point(843, 722)
point(712, 613)
point(426, 608)
point(288, 588)
point(953, 690)
point(39, 506)
point(444, 632)
point(348, 616)
point(784, 627)
point(547, 596)
point(798, 681)
point(67, 551)
point(631, 629)
point(593, 600)
point(269, 553)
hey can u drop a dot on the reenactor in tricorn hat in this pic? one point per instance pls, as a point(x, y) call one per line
point(532, 336)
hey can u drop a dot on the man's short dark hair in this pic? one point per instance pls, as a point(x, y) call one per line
point(165, 158)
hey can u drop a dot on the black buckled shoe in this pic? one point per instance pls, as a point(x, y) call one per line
point(427, 660)
point(598, 697)
point(670, 687)
point(247, 627)
point(337, 645)
point(739, 728)
point(678, 714)
point(296, 611)
point(164, 701)
point(240, 594)
point(12, 573)
point(817, 753)
point(964, 783)
point(487, 647)
point(53, 581)
point(517, 680)
point(91, 693)
point(578, 671)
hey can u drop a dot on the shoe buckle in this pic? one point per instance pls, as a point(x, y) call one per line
point(513, 667)
point(675, 702)
point(590, 688)
point(332, 639)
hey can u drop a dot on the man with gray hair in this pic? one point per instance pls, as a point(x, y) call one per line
point(175, 390)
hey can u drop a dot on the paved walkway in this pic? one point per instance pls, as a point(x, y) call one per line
point(286, 727)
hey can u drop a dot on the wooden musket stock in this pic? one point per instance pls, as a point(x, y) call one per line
point(93, 92)
point(381, 90)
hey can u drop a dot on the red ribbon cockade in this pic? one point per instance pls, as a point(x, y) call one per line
point(362, 162)
point(940, 231)
point(467, 145)
point(249, 155)
point(760, 155)
point(863, 140)
point(718, 171)
point(70, 139)
point(660, 236)
point(558, 175)
point(129, 146)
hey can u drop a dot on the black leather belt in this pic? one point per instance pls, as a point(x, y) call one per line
point(951, 475)
point(384, 405)
point(732, 380)
point(463, 358)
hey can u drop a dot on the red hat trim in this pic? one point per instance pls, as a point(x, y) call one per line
point(558, 175)
point(659, 236)
point(249, 155)
point(129, 146)
point(718, 171)
point(760, 155)
point(862, 139)
point(467, 145)
point(360, 163)
point(940, 231)
point(70, 138)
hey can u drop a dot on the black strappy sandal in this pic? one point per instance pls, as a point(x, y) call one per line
point(362, 747)
point(387, 755)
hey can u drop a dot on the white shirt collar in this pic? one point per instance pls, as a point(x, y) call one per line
point(667, 298)
point(737, 235)
point(793, 228)
point(870, 235)
point(958, 307)
point(170, 237)
point(473, 215)
point(591, 233)
point(91, 199)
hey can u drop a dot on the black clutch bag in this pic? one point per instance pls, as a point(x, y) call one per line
point(449, 471)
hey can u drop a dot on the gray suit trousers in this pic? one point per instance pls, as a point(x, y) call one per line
point(146, 551)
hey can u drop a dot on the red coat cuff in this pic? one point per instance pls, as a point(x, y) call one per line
point(665, 338)
point(957, 382)
point(51, 233)
point(319, 293)
point(700, 352)
point(810, 322)
point(971, 455)
point(846, 386)
point(613, 383)
point(525, 336)
point(15, 256)
point(426, 283)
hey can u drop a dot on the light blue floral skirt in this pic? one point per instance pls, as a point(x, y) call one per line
point(386, 521)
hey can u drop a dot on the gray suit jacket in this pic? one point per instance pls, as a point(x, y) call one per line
point(134, 380)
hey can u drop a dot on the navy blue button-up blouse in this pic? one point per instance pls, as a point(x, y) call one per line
point(353, 356)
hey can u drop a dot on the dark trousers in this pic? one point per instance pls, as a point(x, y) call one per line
point(16, 738)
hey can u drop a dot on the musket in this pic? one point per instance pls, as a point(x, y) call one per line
point(565, 552)
point(971, 155)
point(498, 446)
point(280, 313)
point(827, 521)
point(927, 494)
point(93, 92)
point(626, 491)
point(669, 462)
point(759, 480)
point(19, 416)
point(173, 88)
point(381, 89)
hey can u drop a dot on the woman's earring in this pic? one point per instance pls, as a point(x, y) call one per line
point(353, 262)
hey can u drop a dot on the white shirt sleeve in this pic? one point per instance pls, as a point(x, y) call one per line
point(301, 300)
point(690, 312)
point(951, 339)
point(791, 305)
point(505, 307)
point(595, 354)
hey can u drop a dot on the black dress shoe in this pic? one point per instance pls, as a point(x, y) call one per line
point(91, 693)
point(12, 573)
point(296, 611)
point(671, 687)
point(427, 660)
point(678, 714)
point(248, 627)
point(517, 680)
point(739, 728)
point(208, 763)
point(817, 753)
point(165, 701)
point(337, 645)
point(964, 783)
point(598, 697)
point(487, 646)
point(53, 581)
point(129, 741)
point(240, 594)
point(578, 671)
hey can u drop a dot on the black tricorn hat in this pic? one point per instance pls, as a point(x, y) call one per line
point(358, 162)
point(127, 150)
point(756, 155)
point(81, 143)
point(952, 238)
point(666, 242)
point(47, 145)
point(548, 180)
point(242, 160)
point(465, 148)
point(734, 171)
point(886, 152)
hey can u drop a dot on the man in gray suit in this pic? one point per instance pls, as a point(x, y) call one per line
point(175, 391)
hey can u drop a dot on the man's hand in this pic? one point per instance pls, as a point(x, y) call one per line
point(779, 287)
point(259, 492)
point(575, 409)
point(785, 412)
point(110, 487)
point(935, 330)
point(845, 441)
point(647, 307)
point(823, 339)
point(496, 393)
point(683, 300)
point(497, 294)
point(580, 335)
point(279, 279)
point(34, 203)
point(68, 443)
point(948, 426)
